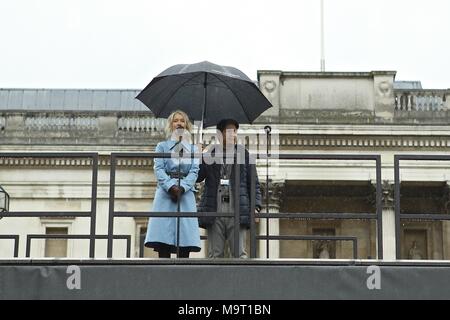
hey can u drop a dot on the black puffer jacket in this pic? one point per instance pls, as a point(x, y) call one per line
point(211, 175)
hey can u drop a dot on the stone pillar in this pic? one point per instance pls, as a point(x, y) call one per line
point(14, 121)
point(388, 221)
point(447, 100)
point(269, 84)
point(108, 125)
point(275, 200)
point(2, 123)
point(384, 99)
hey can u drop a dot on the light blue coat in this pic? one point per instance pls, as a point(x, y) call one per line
point(163, 230)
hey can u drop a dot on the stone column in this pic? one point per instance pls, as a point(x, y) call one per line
point(447, 100)
point(388, 220)
point(275, 199)
point(384, 99)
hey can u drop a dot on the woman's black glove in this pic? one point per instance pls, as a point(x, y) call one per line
point(175, 192)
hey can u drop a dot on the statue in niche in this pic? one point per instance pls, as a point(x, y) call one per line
point(414, 252)
point(324, 250)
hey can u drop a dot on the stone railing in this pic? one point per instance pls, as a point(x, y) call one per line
point(86, 128)
point(64, 122)
point(73, 122)
point(141, 124)
point(421, 100)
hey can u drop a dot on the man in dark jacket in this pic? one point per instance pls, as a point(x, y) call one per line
point(218, 193)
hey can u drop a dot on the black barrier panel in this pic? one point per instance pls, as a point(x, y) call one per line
point(92, 214)
point(227, 279)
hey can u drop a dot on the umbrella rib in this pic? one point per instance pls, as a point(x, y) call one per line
point(209, 85)
point(243, 109)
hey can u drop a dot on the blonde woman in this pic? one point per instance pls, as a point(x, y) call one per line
point(162, 232)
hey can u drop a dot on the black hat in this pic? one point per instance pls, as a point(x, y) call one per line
point(223, 123)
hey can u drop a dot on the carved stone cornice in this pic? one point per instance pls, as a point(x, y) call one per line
point(366, 142)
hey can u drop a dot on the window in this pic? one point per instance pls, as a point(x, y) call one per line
point(56, 247)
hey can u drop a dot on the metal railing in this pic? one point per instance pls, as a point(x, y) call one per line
point(92, 214)
point(14, 237)
point(353, 240)
point(397, 195)
point(370, 216)
point(92, 236)
point(120, 214)
point(75, 236)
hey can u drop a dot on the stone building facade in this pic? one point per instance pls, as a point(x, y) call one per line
point(332, 113)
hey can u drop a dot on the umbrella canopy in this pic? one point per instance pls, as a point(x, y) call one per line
point(205, 91)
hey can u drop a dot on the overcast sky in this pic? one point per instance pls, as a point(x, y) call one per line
point(124, 44)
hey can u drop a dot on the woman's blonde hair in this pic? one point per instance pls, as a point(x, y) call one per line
point(169, 128)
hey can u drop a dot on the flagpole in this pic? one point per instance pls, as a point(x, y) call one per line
point(322, 41)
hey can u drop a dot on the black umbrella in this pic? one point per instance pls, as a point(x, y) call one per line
point(205, 91)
